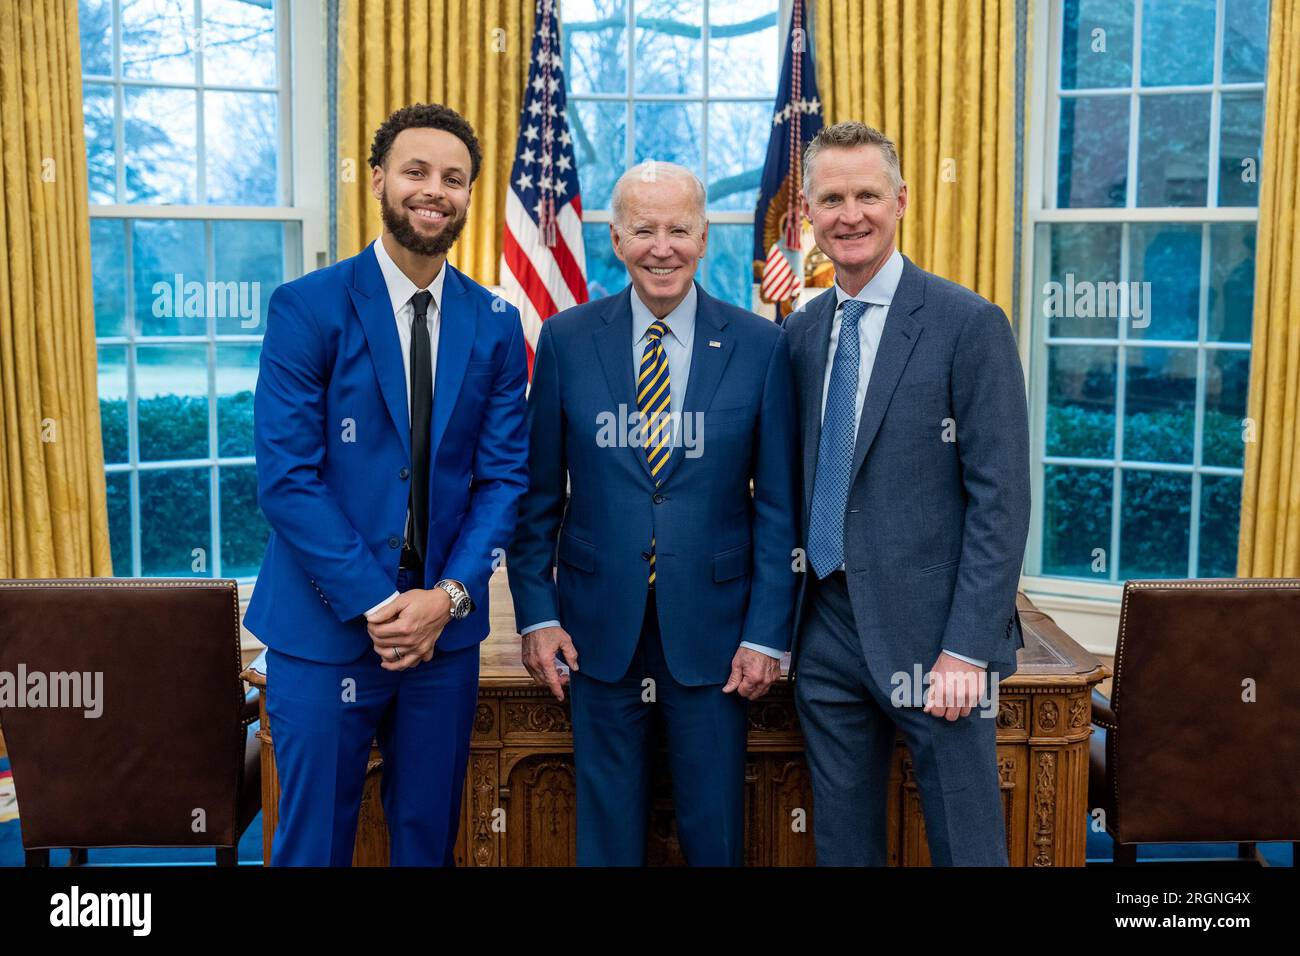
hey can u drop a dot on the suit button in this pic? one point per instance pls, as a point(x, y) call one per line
point(658, 499)
point(404, 473)
point(394, 542)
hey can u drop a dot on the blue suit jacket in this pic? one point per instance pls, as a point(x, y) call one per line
point(938, 510)
point(333, 446)
point(723, 558)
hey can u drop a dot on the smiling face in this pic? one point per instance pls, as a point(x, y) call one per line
point(423, 189)
point(854, 211)
point(661, 236)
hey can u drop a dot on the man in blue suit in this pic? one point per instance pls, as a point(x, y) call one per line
point(675, 585)
point(391, 454)
point(916, 500)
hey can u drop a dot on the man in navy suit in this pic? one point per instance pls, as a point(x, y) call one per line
point(675, 585)
point(391, 454)
point(916, 501)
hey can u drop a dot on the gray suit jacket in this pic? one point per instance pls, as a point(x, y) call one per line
point(938, 508)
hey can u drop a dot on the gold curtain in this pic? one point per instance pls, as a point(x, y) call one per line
point(53, 516)
point(1269, 544)
point(471, 55)
point(938, 78)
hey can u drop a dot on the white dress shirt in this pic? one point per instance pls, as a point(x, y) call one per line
point(678, 343)
point(400, 291)
point(879, 295)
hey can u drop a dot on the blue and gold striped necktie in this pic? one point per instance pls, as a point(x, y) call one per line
point(653, 403)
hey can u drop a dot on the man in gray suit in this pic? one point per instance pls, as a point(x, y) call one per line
point(915, 444)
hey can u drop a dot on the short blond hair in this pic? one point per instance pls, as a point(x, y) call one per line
point(847, 136)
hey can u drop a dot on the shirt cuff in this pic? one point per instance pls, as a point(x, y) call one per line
point(769, 651)
point(537, 627)
point(969, 660)
point(386, 600)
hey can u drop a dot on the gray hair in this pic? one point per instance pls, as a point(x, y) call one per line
point(846, 136)
point(651, 171)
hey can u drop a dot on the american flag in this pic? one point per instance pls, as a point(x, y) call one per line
point(543, 267)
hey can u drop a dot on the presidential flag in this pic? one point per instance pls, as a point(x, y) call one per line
point(543, 268)
point(778, 221)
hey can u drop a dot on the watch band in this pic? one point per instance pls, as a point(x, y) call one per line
point(461, 605)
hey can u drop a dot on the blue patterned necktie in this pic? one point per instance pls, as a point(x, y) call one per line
point(835, 451)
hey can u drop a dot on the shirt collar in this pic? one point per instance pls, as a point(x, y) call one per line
point(680, 321)
point(400, 287)
point(880, 290)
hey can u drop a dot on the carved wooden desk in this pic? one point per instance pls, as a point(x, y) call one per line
point(518, 806)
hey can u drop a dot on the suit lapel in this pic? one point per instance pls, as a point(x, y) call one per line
point(816, 337)
point(613, 340)
point(369, 297)
point(459, 321)
point(707, 363)
point(896, 343)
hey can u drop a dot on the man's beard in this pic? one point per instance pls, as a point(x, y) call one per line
point(402, 230)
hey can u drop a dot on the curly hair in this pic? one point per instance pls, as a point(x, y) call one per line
point(431, 116)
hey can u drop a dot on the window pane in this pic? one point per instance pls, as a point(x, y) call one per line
point(169, 277)
point(240, 140)
point(1241, 151)
point(1220, 522)
point(243, 527)
point(1155, 522)
point(1080, 402)
point(108, 275)
point(160, 145)
point(1097, 44)
point(101, 170)
point(594, 45)
point(1232, 282)
point(1227, 374)
point(158, 40)
point(728, 267)
point(176, 519)
point(95, 29)
point(1167, 256)
point(1077, 506)
point(1174, 150)
point(600, 148)
point(605, 272)
point(737, 146)
point(1092, 157)
point(171, 384)
point(113, 425)
point(744, 48)
point(669, 132)
point(239, 43)
point(1177, 42)
point(249, 255)
point(236, 382)
point(669, 47)
point(1079, 253)
point(118, 487)
point(1245, 43)
point(1160, 405)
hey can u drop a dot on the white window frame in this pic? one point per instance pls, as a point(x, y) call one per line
point(1041, 184)
point(301, 175)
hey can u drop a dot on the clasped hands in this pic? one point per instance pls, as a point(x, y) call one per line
point(412, 622)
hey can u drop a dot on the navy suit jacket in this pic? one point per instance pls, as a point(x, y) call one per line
point(332, 438)
point(938, 510)
point(724, 568)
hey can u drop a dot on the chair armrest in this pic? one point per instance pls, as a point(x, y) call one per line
point(250, 712)
point(1102, 714)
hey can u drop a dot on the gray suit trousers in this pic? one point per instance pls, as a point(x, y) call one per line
point(849, 724)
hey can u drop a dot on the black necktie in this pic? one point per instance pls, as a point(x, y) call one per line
point(421, 415)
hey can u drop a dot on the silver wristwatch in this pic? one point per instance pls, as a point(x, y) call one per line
point(461, 605)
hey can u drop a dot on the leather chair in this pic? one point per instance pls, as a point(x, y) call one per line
point(169, 760)
point(1185, 757)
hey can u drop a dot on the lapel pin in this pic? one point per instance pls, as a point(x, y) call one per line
point(714, 344)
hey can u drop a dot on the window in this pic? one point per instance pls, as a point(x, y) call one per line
point(1143, 216)
point(680, 81)
point(187, 133)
